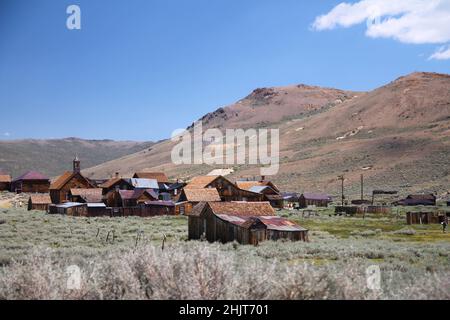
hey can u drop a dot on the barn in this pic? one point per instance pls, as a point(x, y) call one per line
point(31, 182)
point(228, 191)
point(5, 182)
point(314, 199)
point(39, 202)
point(190, 197)
point(244, 222)
point(61, 187)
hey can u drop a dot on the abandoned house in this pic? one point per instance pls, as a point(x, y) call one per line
point(228, 191)
point(165, 208)
point(269, 191)
point(92, 195)
point(427, 217)
point(417, 200)
point(133, 198)
point(69, 208)
point(314, 199)
point(31, 182)
point(190, 197)
point(39, 202)
point(244, 222)
point(61, 187)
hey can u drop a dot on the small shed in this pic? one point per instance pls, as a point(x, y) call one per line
point(435, 217)
point(314, 199)
point(31, 182)
point(39, 202)
point(70, 209)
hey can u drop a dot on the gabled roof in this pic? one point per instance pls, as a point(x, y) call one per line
point(31, 175)
point(158, 176)
point(247, 185)
point(316, 196)
point(40, 199)
point(201, 182)
point(197, 209)
point(88, 195)
point(273, 223)
point(62, 180)
point(143, 183)
point(111, 182)
point(242, 209)
point(201, 194)
point(137, 193)
point(5, 178)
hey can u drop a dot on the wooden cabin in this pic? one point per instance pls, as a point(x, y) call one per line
point(93, 195)
point(61, 187)
point(314, 199)
point(165, 208)
point(268, 190)
point(39, 202)
point(69, 208)
point(244, 222)
point(31, 182)
point(160, 177)
point(133, 198)
point(115, 184)
point(418, 200)
point(228, 191)
point(190, 197)
point(5, 182)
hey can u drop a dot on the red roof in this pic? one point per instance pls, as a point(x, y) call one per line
point(31, 175)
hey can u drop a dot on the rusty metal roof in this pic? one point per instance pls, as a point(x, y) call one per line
point(40, 199)
point(238, 208)
point(88, 195)
point(5, 178)
point(201, 194)
point(135, 194)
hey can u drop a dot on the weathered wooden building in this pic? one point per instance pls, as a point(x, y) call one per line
point(244, 222)
point(115, 184)
point(61, 187)
point(39, 201)
point(435, 217)
point(5, 182)
point(190, 197)
point(269, 191)
point(228, 191)
point(92, 195)
point(133, 198)
point(417, 200)
point(69, 208)
point(165, 208)
point(31, 182)
point(314, 199)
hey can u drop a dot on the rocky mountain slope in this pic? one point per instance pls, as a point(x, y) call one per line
point(398, 136)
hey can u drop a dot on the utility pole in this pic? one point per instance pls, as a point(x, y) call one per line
point(362, 187)
point(341, 177)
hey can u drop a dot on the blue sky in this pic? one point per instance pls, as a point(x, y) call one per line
point(137, 70)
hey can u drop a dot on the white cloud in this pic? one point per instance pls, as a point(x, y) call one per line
point(443, 53)
point(407, 21)
point(7, 134)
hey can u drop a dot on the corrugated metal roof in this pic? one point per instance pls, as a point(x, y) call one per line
point(31, 175)
point(70, 205)
point(144, 183)
point(135, 194)
point(96, 205)
point(258, 189)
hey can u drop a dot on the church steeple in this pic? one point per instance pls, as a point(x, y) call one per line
point(76, 165)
